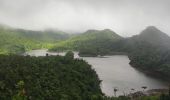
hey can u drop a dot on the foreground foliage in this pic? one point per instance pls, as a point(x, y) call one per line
point(47, 78)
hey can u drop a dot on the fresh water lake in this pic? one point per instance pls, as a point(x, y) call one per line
point(115, 72)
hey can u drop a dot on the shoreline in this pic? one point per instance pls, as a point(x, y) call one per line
point(154, 74)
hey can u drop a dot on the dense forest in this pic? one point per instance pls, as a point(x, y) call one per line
point(66, 78)
point(149, 51)
point(90, 43)
point(17, 41)
point(47, 78)
point(54, 78)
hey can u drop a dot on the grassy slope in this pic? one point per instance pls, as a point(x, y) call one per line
point(89, 39)
point(17, 41)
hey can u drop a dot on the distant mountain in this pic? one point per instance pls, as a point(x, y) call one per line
point(19, 40)
point(44, 36)
point(149, 51)
point(154, 36)
point(151, 37)
point(95, 41)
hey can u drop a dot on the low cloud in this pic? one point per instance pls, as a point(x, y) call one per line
point(126, 17)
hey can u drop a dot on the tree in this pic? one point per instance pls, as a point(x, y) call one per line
point(21, 92)
point(169, 90)
point(115, 90)
point(47, 54)
point(69, 55)
point(47, 78)
point(144, 88)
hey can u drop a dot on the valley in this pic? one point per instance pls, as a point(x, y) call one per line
point(112, 58)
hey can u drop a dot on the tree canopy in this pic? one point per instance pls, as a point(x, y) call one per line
point(47, 78)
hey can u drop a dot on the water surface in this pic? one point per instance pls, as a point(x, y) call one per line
point(115, 72)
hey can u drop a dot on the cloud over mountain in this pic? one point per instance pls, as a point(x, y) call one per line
point(126, 17)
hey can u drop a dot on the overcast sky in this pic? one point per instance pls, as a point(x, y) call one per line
point(126, 17)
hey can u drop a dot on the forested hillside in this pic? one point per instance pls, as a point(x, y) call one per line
point(53, 78)
point(48, 35)
point(47, 78)
point(66, 78)
point(95, 42)
point(17, 41)
point(149, 51)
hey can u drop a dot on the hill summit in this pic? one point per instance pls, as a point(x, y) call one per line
point(88, 39)
point(154, 36)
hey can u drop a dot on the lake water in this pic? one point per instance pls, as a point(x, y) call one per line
point(115, 72)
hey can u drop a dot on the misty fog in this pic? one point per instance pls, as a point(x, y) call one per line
point(126, 17)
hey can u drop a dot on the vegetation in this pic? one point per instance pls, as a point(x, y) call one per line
point(148, 51)
point(69, 55)
point(21, 95)
point(47, 78)
point(66, 78)
point(17, 41)
point(90, 43)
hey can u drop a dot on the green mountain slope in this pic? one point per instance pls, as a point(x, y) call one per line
point(94, 41)
point(43, 36)
point(17, 40)
point(154, 36)
point(148, 51)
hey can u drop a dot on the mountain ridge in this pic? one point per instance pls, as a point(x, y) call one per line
point(154, 36)
point(89, 38)
point(150, 52)
point(19, 40)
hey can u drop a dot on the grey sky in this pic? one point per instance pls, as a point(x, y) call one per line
point(126, 17)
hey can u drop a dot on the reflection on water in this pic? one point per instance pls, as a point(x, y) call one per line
point(115, 72)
